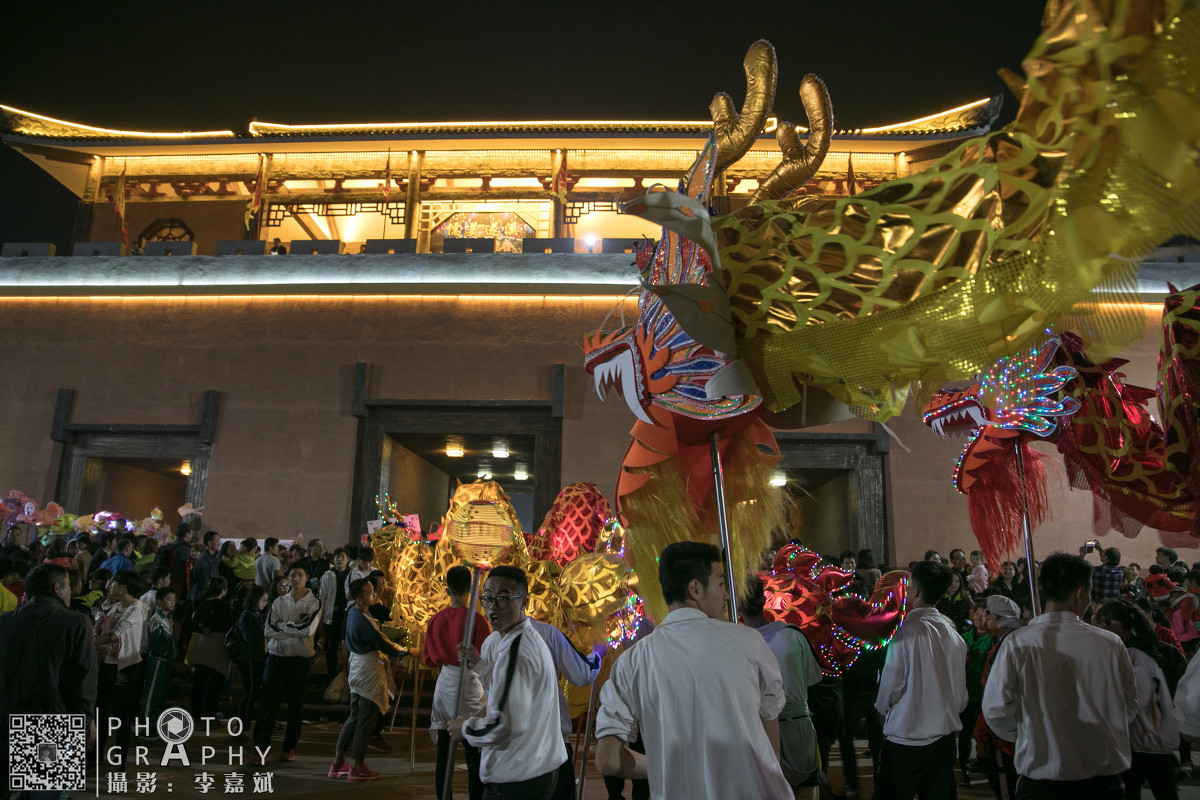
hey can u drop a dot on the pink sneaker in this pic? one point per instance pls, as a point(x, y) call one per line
point(360, 774)
point(339, 770)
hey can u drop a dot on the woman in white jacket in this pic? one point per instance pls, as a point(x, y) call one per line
point(1154, 733)
point(120, 651)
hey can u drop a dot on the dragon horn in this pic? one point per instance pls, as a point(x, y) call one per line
point(801, 162)
point(735, 132)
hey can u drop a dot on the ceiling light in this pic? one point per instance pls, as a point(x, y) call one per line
point(500, 452)
point(521, 475)
point(487, 476)
point(186, 468)
point(779, 479)
point(454, 451)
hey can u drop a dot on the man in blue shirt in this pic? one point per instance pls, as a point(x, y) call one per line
point(120, 560)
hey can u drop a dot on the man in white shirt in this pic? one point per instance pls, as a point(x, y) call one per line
point(1064, 692)
point(579, 670)
point(922, 692)
point(518, 733)
point(705, 695)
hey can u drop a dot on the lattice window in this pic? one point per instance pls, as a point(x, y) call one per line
point(167, 230)
point(573, 211)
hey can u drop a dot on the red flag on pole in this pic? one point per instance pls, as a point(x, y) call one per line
point(255, 205)
point(387, 179)
point(850, 174)
point(558, 186)
point(118, 199)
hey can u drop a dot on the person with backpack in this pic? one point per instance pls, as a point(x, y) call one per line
point(246, 647)
point(210, 665)
point(175, 557)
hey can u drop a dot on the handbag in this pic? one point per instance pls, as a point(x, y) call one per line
point(102, 627)
point(338, 690)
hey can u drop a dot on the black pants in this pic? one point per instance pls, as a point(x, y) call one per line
point(925, 770)
point(333, 639)
point(968, 717)
point(539, 788)
point(1156, 769)
point(564, 784)
point(474, 785)
point(207, 684)
point(615, 786)
point(1104, 787)
point(285, 678)
point(118, 694)
point(1002, 773)
point(359, 727)
point(825, 708)
point(251, 689)
point(859, 705)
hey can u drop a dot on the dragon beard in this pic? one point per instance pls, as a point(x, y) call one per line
point(994, 501)
point(670, 496)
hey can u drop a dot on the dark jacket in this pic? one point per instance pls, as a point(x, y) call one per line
point(213, 614)
point(47, 662)
point(206, 568)
point(250, 625)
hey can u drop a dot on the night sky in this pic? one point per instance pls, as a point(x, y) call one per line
point(172, 66)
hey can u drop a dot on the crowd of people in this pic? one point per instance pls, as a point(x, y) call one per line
point(227, 609)
point(1095, 695)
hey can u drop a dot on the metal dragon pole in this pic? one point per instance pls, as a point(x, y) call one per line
point(587, 736)
point(723, 518)
point(1030, 568)
point(468, 637)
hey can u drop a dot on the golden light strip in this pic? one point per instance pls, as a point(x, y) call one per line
point(402, 126)
point(159, 298)
point(919, 120)
point(113, 131)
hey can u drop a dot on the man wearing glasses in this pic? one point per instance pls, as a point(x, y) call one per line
point(518, 732)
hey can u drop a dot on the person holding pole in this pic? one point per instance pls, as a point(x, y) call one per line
point(579, 671)
point(519, 731)
point(705, 695)
point(442, 638)
point(1064, 692)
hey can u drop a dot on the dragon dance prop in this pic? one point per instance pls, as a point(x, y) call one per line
point(592, 598)
point(837, 623)
point(922, 279)
point(19, 511)
point(1140, 472)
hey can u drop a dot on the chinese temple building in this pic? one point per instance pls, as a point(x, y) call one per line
point(424, 328)
point(427, 182)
